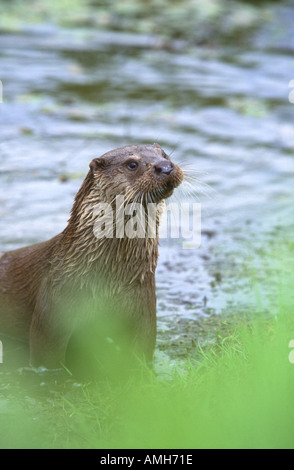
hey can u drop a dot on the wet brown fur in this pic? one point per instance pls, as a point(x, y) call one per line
point(44, 288)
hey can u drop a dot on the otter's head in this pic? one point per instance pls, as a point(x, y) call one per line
point(142, 173)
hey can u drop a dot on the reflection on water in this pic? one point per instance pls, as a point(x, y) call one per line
point(72, 95)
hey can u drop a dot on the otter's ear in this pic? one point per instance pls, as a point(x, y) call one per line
point(97, 164)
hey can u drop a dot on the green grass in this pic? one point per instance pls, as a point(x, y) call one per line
point(238, 394)
point(240, 397)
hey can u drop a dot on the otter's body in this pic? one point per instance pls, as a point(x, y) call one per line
point(50, 290)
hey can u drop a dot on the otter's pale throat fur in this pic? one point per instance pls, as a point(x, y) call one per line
point(43, 287)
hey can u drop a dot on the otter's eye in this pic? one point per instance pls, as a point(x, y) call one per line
point(132, 165)
point(165, 155)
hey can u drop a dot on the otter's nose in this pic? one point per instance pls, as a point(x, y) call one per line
point(163, 168)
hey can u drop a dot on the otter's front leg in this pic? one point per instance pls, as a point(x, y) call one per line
point(141, 307)
point(50, 332)
point(47, 344)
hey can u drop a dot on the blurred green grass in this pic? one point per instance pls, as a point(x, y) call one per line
point(237, 395)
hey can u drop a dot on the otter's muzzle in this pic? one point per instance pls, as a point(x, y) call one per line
point(163, 168)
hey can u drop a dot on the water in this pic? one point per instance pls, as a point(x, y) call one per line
point(71, 95)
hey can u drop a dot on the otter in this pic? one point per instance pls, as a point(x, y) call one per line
point(50, 290)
